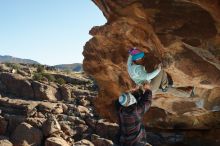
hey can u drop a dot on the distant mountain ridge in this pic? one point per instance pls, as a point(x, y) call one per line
point(11, 59)
point(72, 67)
point(77, 67)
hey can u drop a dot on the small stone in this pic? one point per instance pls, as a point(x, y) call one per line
point(96, 140)
point(91, 122)
point(51, 126)
point(58, 109)
point(76, 120)
point(4, 141)
point(84, 102)
point(40, 115)
point(81, 128)
point(82, 109)
point(83, 142)
point(67, 130)
point(55, 141)
point(65, 108)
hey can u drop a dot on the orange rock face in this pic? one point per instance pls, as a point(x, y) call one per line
point(188, 31)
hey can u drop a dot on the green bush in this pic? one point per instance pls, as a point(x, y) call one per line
point(40, 69)
point(60, 81)
point(38, 77)
point(67, 71)
point(43, 76)
point(13, 65)
point(8, 64)
point(50, 77)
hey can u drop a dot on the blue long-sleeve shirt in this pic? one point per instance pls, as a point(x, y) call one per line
point(138, 73)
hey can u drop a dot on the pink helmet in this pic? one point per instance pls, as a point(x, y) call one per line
point(134, 51)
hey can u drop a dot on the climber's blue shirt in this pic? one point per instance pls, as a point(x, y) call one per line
point(138, 73)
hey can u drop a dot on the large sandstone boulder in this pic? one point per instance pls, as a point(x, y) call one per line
point(106, 129)
point(36, 121)
point(17, 106)
point(25, 134)
point(48, 107)
point(184, 35)
point(51, 126)
point(13, 122)
point(15, 84)
point(66, 92)
point(45, 92)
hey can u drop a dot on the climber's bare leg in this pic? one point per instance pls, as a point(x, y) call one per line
point(178, 92)
point(164, 81)
point(155, 82)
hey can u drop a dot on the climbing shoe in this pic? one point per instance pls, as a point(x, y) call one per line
point(170, 81)
point(165, 89)
point(192, 92)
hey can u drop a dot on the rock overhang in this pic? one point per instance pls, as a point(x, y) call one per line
point(187, 30)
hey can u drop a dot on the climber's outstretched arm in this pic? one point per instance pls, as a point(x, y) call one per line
point(147, 76)
point(138, 71)
point(154, 73)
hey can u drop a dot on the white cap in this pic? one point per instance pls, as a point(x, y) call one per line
point(127, 99)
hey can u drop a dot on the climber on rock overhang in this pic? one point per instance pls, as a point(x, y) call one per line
point(159, 79)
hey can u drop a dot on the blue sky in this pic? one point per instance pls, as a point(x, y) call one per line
point(48, 31)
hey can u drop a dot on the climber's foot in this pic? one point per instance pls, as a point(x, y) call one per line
point(165, 89)
point(192, 92)
point(170, 80)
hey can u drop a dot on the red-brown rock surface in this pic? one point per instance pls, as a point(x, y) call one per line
point(188, 31)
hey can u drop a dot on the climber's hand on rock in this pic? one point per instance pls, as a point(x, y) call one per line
point(135, 88)
point(159, 66)
point(146, 86)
